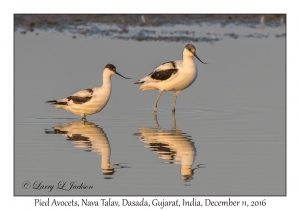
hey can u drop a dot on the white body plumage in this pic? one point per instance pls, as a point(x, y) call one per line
point(173, 75)
point(89, 101)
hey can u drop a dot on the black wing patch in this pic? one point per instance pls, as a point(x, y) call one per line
point(56, 131)
point(171, 62)
point(79, 137)
point(79, 100)
point(90, 90)
point(163, 74)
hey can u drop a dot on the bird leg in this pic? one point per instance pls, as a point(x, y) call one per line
point(175, 97)
point(83, 118)
point(155, 103)
point(174, 120)
point(174, 102)
point(155, 119)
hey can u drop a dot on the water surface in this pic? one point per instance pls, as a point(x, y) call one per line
point(227, 136)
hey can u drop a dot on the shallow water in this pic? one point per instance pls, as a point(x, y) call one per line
point(227, 136)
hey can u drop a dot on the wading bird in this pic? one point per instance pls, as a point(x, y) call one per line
point(89, 101)
point(172, 76)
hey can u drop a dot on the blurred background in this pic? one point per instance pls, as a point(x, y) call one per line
point(154, 27)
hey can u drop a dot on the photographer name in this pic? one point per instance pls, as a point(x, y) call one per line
point(62, 185)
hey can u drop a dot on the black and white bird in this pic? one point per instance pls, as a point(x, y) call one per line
point(172, 76)
point(89, 101)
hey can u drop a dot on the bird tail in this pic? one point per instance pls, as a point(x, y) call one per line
point(57, 102)
point(53, 101)
point(139, 82)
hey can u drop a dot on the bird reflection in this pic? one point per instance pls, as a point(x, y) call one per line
point(173, 146)
point(91, 137)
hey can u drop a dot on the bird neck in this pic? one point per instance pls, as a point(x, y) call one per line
point(187, 56)
point(188, 60)
point(106, 80)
